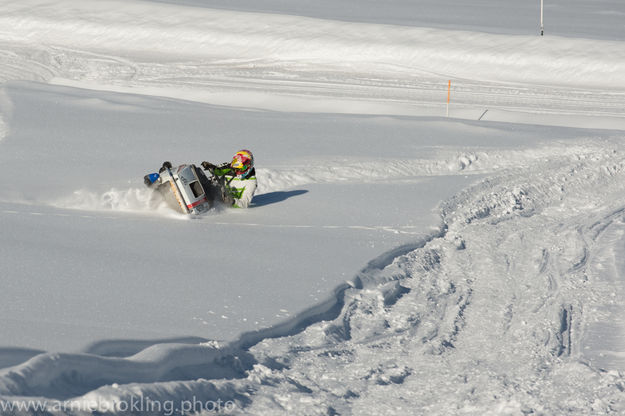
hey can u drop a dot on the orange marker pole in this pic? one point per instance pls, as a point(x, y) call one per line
point(448, 96)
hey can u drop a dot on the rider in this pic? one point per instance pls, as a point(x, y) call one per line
point(237, 179)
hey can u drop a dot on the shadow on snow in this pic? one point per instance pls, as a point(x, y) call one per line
point(275, 197)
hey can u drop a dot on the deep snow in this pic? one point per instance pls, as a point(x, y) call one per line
point(394, 261)
point(156, 274)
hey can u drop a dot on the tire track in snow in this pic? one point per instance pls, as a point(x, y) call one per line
point(505, 328)
point(602, 337)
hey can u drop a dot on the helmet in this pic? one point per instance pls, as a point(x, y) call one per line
point(242, 162)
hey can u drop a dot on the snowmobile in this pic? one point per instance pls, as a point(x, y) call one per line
point(185, 188)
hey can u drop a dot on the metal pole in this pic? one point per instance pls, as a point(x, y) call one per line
point(542, 27)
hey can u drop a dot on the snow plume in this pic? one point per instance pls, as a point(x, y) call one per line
point(122, 200)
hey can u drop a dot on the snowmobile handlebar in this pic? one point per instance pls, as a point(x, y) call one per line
point(208, 166)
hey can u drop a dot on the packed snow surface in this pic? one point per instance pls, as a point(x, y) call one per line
point(394, 261)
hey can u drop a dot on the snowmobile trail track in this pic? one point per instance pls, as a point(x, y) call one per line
point(511, 251)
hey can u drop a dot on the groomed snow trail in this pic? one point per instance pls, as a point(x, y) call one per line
point(487, 316)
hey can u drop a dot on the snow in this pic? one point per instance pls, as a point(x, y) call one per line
point(394, 259)
point(292, 63)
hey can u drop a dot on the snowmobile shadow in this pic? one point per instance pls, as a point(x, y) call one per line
point(275, 197)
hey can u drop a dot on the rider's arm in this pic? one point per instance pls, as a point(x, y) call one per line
point(218, 170)
point(223, 170)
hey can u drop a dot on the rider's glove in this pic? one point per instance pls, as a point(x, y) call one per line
point(208, 166)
